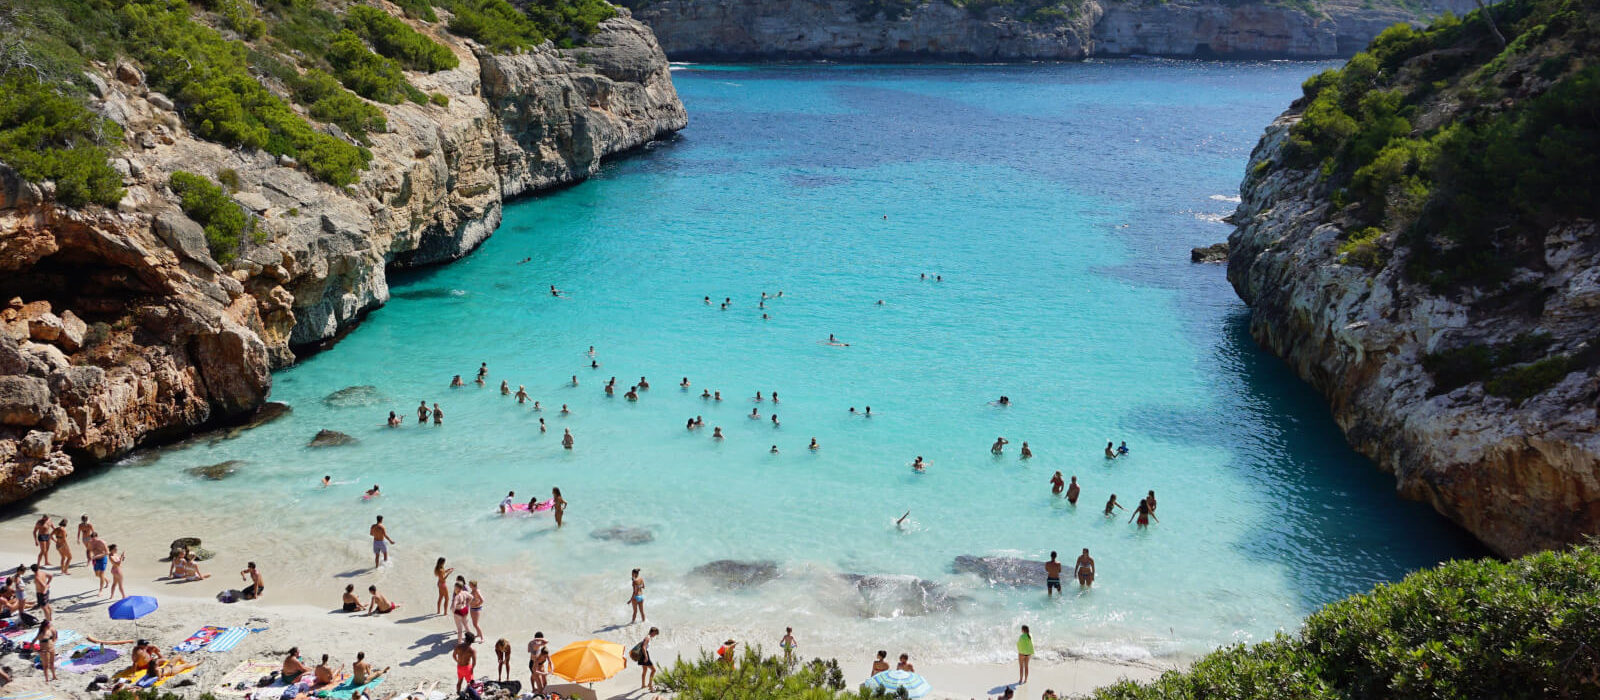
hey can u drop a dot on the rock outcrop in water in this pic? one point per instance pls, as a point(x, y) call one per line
point(733, 574)
point(888, 595)
point(1004, 571)
point(940, 29)
point(125, 331)
point(1442, 286)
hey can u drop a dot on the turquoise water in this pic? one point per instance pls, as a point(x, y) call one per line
point(1058, 203)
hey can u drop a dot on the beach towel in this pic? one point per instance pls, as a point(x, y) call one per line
point(144, 681)
point(64, 638)
point(200, 638)
point(229, 639)
point(84, 657)
point(345, 690)
point(248, 672)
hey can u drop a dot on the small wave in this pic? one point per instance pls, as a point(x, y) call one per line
point(1226, 198)
point(1213, 218)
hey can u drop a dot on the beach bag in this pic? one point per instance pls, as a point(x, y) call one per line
point(636, 653)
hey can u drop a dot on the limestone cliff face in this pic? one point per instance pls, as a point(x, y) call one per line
point(835, 29)
point(125, 330)
point(1520, 477)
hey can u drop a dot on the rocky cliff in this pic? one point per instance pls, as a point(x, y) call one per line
point(122, 329)
point(976, 31)
point(1416, 238)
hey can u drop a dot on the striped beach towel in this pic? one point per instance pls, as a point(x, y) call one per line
point(200, 638)
point(229, 639)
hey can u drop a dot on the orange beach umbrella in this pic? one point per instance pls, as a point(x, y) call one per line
point(588, 661)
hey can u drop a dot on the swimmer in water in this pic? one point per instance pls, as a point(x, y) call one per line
point(326, 482)
point(456, 381)
point(483, 371)
point(755, 414)
point(780, 293)
point(684, 383)
point(1057, 484)
point(774, 449)
point(633, 394)
point(774, 420)
point(574, 380)
point(541, 425)
point(1111, 504)
point(564, 410)
point(537, 407)
point(869, 412)
point(814, 444)
point(554, 292)
point(1110, 453)
point(774, 397)
point(1073, 490)
point(373, 492)
point(591, 351)
point(689, 425)
point(394, 420)
point(611, 388)
point(880, 302)
point(765, 317)
point(566, 438)
point(999, 445)
point(919, 465)
point(716, 433)
point(1026, 453)
point(505, 388)
point(594, 364)
point(902, 520)
point(852, 410)
point(1005, 401)
point(699, 422)
point(708, 300)
point(522, 394)
point(758, 396)
point(705, 393)
point(1122, 449)
point(643, 384)
point(716, 396)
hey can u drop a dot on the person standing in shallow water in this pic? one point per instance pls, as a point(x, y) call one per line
point(380, 543)
point(438, 415)
point(636, 600)
point(1111, 452)
point(1052, 576)
point(1057, 484)
point(566, 438)
point(423, 413)
point(1111, 504)
point(1073, 490)
point(999, 445)
point(1084, 569)
point(1143, 514)
point(558, 504)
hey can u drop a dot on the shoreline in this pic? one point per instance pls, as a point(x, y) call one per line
point(415, 643)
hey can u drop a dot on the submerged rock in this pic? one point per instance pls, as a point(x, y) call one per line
point(428, 293)
point(625, 535)
point(331, 438)
point(733, 574)
point(893, 595)
point(218, 471)
point(353, 396)
point(1004, 571)
point(1215, 253)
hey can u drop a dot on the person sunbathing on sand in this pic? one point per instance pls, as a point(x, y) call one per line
point(350, 602)
point(293, 667)
point(189, 569)
point(380, 604)
point(361, 672)
point(326, 676)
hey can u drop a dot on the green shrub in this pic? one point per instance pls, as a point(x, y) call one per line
point(566, 21)
point(440, 99)
point(1467, 629)
point(229, 178)
point(46, 135)
point(225, 222)
point(493, 23)
point(418, 9)
point(239, 16)
point(303, 25)
point(367, 74)
point(1522, 383)
point(1362, 249)
point(395, 39)
point(330, 102)
point(756, 676)
point(221, 100)
point(1477, 362)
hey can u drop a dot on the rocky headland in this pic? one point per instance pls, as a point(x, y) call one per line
point(996, 31)
point(1416, 239)
point(123, 329)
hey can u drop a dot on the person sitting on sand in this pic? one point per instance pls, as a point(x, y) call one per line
point(380, 605)
point(190, 569)
point(257, 583)
point(880, 664)
point(293, 667)
point(361, 672)
point(178, 562)
point(325, 675)
point(350, 602)
point(905, 664)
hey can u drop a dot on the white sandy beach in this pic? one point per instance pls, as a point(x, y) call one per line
point(414, 642)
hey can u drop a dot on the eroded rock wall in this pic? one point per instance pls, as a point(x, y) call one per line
point(840, 29)
point(1521, 477)
point(124, 329)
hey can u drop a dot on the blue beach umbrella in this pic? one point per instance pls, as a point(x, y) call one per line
point(133, 607)
point(915, 686)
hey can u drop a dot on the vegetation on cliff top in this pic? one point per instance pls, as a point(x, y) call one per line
point(1467, 629)
point(232, 67)
point(225, 222)
point(1464, 151)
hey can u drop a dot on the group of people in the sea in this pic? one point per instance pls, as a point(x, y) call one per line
point(1143, 513)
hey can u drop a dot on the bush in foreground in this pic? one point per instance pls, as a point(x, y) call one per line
point(757, 676)
point(1528, 628)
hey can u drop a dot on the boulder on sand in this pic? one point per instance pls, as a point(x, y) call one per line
point(331, 438)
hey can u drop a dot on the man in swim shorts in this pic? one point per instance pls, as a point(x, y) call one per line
point(380, 543)
point(1072, 491)
point(466, 658)
point(1052, 576)
point(99, 556)
point(257, 584)
point(1084, 569)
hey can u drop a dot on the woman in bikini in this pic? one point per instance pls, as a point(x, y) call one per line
point(350, 602)
point(477, 606)
point(45, 642)
point(41, 537)
point(115, 558)
point(502, 660)
point(293, 668)
point(443, 576)
point(558, 504)
point(59, 534)
point(461, 609)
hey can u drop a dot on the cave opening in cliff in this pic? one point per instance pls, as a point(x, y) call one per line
point(93, 288)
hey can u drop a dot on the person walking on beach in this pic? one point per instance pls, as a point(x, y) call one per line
point(558, 505)
point(636, 600)
point(41, 591)
point(880, 664)
point(1052, 576)
point(641, 655)
point(1084, 569)
point(258, 585)
point(443, 576)
point(466, 659)
point(380, 543)
point(115, 558)
point(59, 534)
point(460, 610)
point(99, 557)
point(477, 607)
point(1024, 653)
point(41, 537)
point(84, 531)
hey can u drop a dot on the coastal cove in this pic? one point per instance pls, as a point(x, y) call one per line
point(1057, 203)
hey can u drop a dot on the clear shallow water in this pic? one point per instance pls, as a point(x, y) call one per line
point(1058, 202)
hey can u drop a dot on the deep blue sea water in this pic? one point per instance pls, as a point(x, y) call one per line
point(1057, 202)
